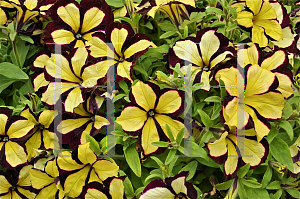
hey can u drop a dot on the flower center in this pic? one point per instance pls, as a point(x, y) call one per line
point(121, 60)
point(78, 36)
point(93, 118)
point(5, 139)
point(206, 69)
point(12, 188)
point(180, 196)
point(151, 113)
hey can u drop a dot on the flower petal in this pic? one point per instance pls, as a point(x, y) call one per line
point(144, 95)
point(62, 36)
point(169, 102)
point(231, 163)
point(254, 6)
point(159, 192)
point(149, 135)
point(92, 18)
point(74, 98)
point(70, 14)
point(178, 185)
point(94, 193)
point(258, 36)
point(40, 179)
point(106, 169)
point(4, 185)
point(244, 19)
point(85, 154)
point(78, 60)
point(272, 28)
point(187, 50)
point(132, 118)
point(219, 147)
point(124, 69)
point(15, 154)
point(285, 85)
point(19, 128)
point(174, 125)
point(266, 12)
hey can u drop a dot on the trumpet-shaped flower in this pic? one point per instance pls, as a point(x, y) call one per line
point(14, 131)
point(16, 184)
point(260, 102)
point(124, 50)
point(173, 187)
point(82, 167)
point(75, 75)
point(75, 128)
point(73, 23)
point(41, 131)
point(175, 10)
point(261, 17)
point(236, 150)
point(149, 112)
point(276, 62)
point(111, 188)
point(44, 181)
point(204, 52)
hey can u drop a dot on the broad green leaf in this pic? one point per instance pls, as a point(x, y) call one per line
point(170, 134)
point(241, 190)
point(281, 152)
point(205, 118)
point(224, 185)
point(124, 86)
point(5, 82)
point(243, 170)
point(213, 10)
point(251, 183)
point(288, 128)
point(267, 177)
point(157, 160)
point(115, 3)
point(12, 71)
point(191, 167)
point(94, 145)
point(180, 136)
point(22, 51)
point(199, 151)
point(274, 185)
point(133, 160)
point(222, 88)
point(257, 193)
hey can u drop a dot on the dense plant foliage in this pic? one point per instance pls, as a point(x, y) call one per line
point(149, 99)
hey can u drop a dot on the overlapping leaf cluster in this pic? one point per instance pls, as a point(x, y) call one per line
point(149, 99)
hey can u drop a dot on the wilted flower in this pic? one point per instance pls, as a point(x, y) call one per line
point(149, 112)
point(173, 187)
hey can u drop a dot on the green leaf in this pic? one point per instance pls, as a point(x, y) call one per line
point(170, 156)
point(274, 185)
point(267, 177)
point(160, 144)
point(251, 183)
point(281, 152)
point(198, 151)
point(222, 88)
point(224, 185)
point(180, 136)
point(168, 34)
point(124, 86)
point(191, 167)
point(94, 145)
point(22, 51)
point(127, 184)
point(5, 82)
point(157, 160)
point(26, 38)
point(213, 10)
point(288, 128)
point(278, 194)
point(115, 3)
point(12, 71)
point(294, 193)
point(241, 190)
point(206, 137)
point(257, 193)
point(213, 99)
point(243, 170)
point(170, 134)
point(205, 118)
point(133, 160)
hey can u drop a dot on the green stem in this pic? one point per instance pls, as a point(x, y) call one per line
point(16, 53)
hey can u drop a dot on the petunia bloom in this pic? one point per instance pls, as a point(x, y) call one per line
point(16, 183)
point(74, 128)
point(73, 23)
point(3, 14)
point(276, 62)
point(44, 181)
point(149, 112)
point(173, 187)
point(82, 167)
point(295, 153)
point(14, 131)
point(123, 52)
point(204, 52)
point(42, 136)
point(260, 101)
point(226, 150)
point(111, 188)
point(175, 10)
point(76, 76)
